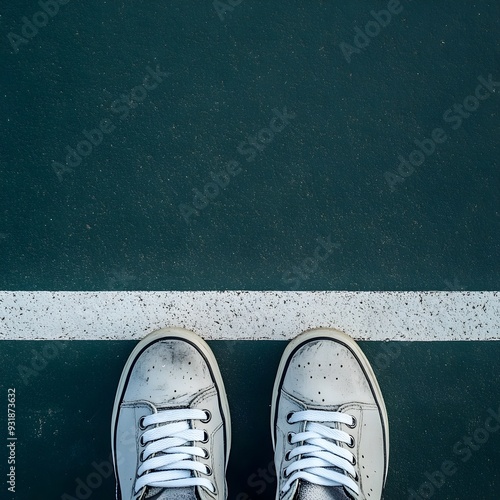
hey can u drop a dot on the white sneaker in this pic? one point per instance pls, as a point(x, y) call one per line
point(328, 421)
point(171, 431)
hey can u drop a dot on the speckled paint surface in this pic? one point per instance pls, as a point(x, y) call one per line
point(250, 315)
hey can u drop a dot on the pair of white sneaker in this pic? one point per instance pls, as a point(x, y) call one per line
point(171, 430)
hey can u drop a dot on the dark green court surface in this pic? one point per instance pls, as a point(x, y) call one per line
point(442, 400)
point(205, 145)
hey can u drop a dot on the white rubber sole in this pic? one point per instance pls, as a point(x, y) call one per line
point(193, 338)
point(353, 346)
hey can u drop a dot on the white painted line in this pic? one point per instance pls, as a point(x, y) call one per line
point(237, 315)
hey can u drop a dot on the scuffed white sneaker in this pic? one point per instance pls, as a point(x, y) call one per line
point(328, 421)
point(170, 430)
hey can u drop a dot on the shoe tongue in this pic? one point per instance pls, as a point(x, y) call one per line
point(171, 494)
point(309, 491)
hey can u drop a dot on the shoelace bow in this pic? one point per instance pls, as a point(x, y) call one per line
point(319, 451)
point(168, 460)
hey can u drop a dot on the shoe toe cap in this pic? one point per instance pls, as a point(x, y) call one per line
point(168, 372)
point(326, 373)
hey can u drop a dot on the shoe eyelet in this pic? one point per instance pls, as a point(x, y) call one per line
point(286, 474)
point(141, 440)
point(141, 424)
point(206, 454)
point(209, 471)
point(205, 437)
point(287, 456)
point(351, 443)
point(288, 417)
point(354, 423)
point(209, 417)
point(141, 456)
point(353, 461)
point(289, 437)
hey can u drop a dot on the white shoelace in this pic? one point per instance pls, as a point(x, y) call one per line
point(319, 452)
point(173, 444)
